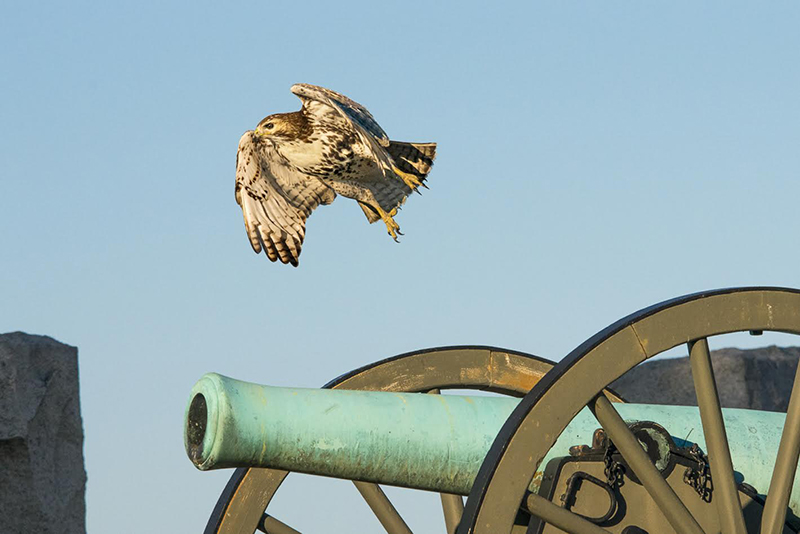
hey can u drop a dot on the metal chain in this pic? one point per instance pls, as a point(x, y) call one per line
point(614, 471)
point(700, 477)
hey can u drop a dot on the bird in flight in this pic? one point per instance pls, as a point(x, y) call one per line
point(293, 162)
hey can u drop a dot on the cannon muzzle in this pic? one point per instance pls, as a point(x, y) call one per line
point(429, 442)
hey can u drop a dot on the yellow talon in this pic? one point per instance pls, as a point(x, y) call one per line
point(392, 227)
point(409, 179)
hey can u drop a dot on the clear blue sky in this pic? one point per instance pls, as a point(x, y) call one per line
point(594, 158)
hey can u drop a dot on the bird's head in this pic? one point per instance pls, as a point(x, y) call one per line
point(282, 127)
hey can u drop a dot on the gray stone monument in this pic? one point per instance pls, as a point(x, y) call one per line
point(42, 477)
point(757, 379)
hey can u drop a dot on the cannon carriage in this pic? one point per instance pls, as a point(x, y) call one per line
point(561, 453)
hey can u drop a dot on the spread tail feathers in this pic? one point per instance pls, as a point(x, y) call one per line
point(415, 159)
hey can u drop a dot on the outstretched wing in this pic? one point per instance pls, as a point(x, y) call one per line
point(275, 200)
point(318, 101)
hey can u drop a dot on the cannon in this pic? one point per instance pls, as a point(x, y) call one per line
point(570, 455)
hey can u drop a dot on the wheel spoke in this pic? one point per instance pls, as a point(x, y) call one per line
point(383, 509)
point(726, 494)
point(668, 502)
point(780, 487)
point(270, 525)
point(453, 506)
point(560, 517)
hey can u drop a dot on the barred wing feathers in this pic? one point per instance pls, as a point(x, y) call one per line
point(275, 201)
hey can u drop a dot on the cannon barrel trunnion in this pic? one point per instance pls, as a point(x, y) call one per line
point(569, 456)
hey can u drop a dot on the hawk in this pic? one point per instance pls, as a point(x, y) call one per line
point(293, 162)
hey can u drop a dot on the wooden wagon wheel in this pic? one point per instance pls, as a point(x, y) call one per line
point(501, 486)
point(241, 507)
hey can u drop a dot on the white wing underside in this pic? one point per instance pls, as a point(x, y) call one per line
point(368, 130)
point(275, 200)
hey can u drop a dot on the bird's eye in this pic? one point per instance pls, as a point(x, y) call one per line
point(269, 126)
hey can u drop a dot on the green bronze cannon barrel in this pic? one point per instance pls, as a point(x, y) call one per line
point(414, 440)
point(430, 442)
